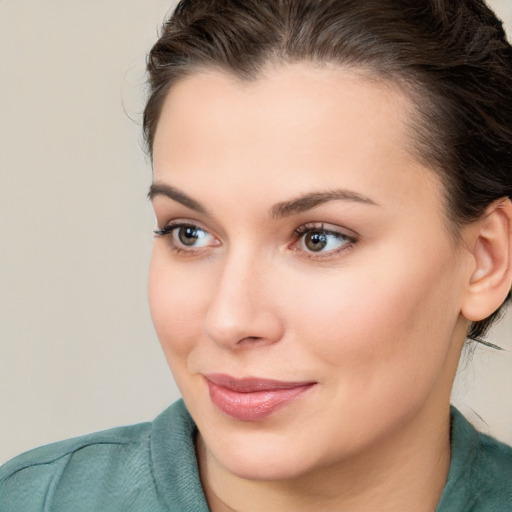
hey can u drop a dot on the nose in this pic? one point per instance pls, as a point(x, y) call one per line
point(242, 312)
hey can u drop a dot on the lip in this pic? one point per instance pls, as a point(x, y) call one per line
point(252, 399)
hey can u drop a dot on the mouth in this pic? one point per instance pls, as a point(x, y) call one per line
point(252, 399)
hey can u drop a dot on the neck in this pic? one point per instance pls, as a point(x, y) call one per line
point(400, 473)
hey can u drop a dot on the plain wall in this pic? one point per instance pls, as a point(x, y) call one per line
point(77, 348)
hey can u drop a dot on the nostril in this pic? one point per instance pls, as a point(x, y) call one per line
point(252, 340)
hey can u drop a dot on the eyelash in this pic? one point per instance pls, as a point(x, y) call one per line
point(167, 232)
point(299, 233)
point(302, 231)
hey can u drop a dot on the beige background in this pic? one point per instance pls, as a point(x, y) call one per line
point(78, 352)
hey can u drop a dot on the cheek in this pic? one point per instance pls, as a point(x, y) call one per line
point(381, 335)
point(176, 300)
point(379, 321)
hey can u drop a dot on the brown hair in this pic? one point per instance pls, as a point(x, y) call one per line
point(451, 56)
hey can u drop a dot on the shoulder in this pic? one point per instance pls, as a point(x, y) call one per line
point(491, 472)
point(480, 476)
point(52, 453)
point(149, 466)
point(62, 474)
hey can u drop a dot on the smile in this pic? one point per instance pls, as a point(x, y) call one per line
point(252, 399)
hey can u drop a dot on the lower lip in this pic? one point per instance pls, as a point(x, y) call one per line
point(253, 406)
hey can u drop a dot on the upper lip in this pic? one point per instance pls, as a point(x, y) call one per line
point(252, 384)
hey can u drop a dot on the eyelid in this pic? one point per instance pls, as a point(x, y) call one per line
point(327, 228)
point(350, 236)
point(167, 232)
point(179, 222)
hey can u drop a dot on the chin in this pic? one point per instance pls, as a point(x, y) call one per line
point(272, 467)
point(264, 456)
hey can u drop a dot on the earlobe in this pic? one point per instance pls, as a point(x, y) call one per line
point(491, 278)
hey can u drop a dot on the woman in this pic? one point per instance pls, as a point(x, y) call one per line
point(332, 186)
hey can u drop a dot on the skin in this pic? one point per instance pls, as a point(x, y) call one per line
point(375, 320)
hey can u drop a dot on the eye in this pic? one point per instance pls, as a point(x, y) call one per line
point(319, 240)
point(190, 236)
point(183, 236)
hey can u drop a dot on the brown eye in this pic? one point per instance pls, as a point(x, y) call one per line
point(315, 241)
point(189, 235)
point(184, 237)
point(321, 241)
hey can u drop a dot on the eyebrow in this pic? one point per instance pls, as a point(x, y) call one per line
point(159, 189)
point(311, 200)
point(285, 209)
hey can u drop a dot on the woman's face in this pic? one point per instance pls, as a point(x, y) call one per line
point(304, 286)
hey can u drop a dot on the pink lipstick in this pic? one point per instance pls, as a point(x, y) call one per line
point(252, 399)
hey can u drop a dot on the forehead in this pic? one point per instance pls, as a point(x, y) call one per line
point(299, 125)
point(282, 100)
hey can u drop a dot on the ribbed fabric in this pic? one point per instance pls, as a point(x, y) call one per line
point(152, 467)
point(144, 467)
point(480, 475)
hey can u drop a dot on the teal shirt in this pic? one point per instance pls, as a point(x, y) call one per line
point(152, 467)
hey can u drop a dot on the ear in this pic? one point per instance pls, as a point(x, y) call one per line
point(491, 277)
